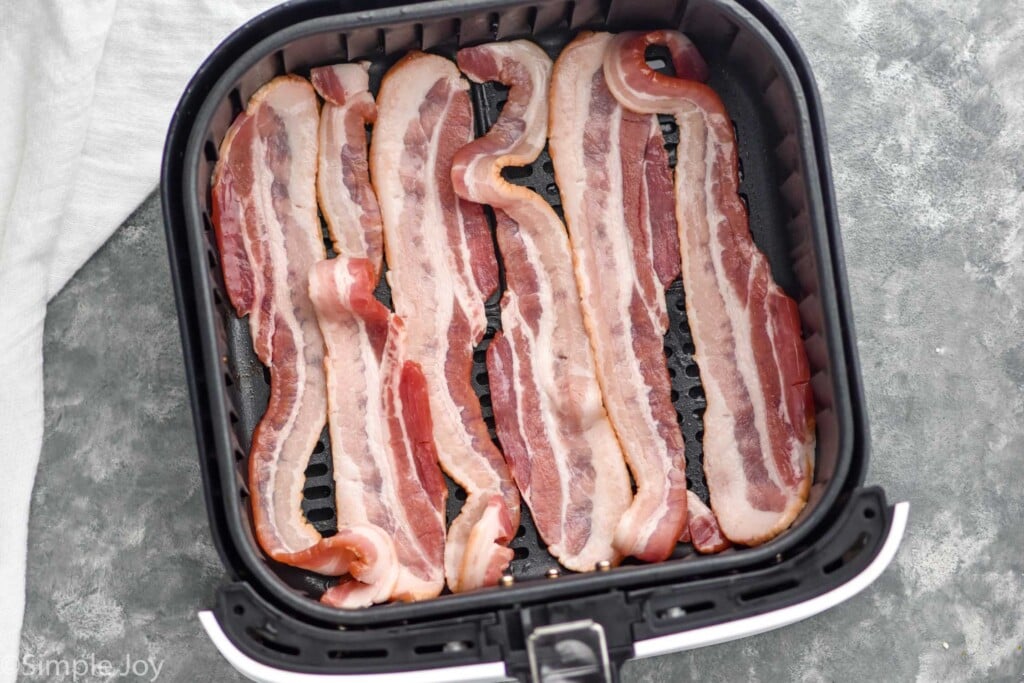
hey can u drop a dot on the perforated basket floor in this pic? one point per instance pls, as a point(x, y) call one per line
point(758, 188)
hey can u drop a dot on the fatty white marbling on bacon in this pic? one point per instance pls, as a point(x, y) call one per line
point(388, 486)
point(343, 178)
point(615, 183)
point(759, 423)
point(268, 233)
point(442, 269)
point(547, 404)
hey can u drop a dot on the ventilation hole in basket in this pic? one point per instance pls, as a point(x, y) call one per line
point(481, 378)
point(218, 301)
point(271, 644)
point(237, 106)
point(659, 59)
point(696, 391)
point(735, 128)
point(698, 413)
point(740, 167)
point(381, 42)
point(869, 513)
point(357, 654)
point(211, 256)
point(239, 610)
point(679, 417)
point(317, 469)
point(516, 172)
point(570, 9)
point(669, 351)
point(243, 494)
point(206, 222)
point(480, 355)
point(328, 245)
point(548, 167)
point(492, 20)
point(692, 371)
point(680, 304)
point(677, 611)
point(674, 395)
point(667, 128)
point(319, 447)
point(699, 435)
point(671, 372)
point(266, 375)
point(485, 401)
point(746, 202)
point(320, 515)
point(671, 149)
point(521, 553)
point(848, 555)
point(460, 493)
point(552, 189)
point(689, 348)
point(450, 646)
point(227, 380)
point(765, 591)
point(239, 455)
point(233, 417)
point(521, 531)
point(210, 150)
point(317, 492)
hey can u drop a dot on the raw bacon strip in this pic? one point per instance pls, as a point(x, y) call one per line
point(343, 178)
point(759, 422)
point(442, 270)
point(702, 528)
point(385, 467)
point(547, 403)
point(364, 552)
point(268, 232)
point(613, 176)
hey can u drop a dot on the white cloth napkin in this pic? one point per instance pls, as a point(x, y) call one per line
point(89, 88)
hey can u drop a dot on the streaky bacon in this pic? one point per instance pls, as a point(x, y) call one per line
point(759, 423)
point(386, 473)
point(615, 183)
point(702, 528)
point(442, 270)
point(343, 177)
point(547, 403)
point(268, 234)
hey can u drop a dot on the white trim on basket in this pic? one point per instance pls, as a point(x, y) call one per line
point(492, 672)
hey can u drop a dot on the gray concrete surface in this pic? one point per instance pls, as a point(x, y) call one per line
point(925, 105)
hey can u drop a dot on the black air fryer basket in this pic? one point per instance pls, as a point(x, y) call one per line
point(267, 621)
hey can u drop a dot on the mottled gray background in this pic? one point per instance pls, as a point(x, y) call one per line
point(925, 105)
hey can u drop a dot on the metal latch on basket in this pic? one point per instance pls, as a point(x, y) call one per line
point(574, 652)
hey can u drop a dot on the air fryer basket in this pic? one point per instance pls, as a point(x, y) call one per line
point(764, 82)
